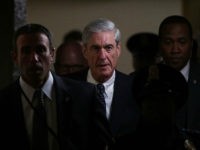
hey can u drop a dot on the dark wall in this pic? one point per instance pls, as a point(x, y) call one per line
point(12, 14)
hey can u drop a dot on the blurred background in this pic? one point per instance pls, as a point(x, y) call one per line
point(61, 16)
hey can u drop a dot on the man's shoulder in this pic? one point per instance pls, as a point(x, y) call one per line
point(80, 75)
point(194, 66)
point(14, 86)
point(72, 82)
point(122, 76)
point(194, 70)
point(9, 94)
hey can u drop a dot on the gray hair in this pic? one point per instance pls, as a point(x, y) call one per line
point(100, 25)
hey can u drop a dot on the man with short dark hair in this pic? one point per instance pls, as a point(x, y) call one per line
point(68, 117)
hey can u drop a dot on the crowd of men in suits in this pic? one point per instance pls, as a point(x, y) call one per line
point(154, 107)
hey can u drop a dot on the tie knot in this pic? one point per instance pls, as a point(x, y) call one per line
point(38, 97)
point(101, 87)
point(100, 91)
point(37, 93)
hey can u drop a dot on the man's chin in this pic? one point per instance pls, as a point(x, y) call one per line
point(176, 66)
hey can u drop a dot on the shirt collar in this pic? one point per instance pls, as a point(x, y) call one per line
point(90, 78)
point(185, 71)
point(46, 88)
point(108, 82)
point(27, 89)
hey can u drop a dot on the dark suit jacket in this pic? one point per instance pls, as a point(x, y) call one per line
point(124, 111)
point(194, 97)
point(190, 114)
point(75, 113)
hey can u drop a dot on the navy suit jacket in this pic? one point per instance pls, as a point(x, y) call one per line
point(124, 113)
point(75, 112)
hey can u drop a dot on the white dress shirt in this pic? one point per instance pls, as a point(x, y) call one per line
point(50, 106)
point(109, 90)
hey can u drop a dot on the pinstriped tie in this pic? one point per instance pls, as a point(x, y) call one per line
point(40, 130)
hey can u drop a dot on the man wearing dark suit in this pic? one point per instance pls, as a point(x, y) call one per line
point(69, 116)
point(160, 91)
point(176, 45)
point(102, 49)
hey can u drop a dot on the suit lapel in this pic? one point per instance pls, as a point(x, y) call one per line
point(116, 108)
point(63, 100)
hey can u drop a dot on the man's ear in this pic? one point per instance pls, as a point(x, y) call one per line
point(52, 53)
point(119, 49)
point(84, 51)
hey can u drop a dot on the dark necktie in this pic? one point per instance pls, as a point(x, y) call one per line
point(39, 130)
point(100, 94)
